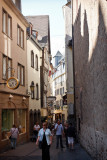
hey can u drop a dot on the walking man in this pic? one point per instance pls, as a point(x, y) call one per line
point(71, 134)
point(59, 132)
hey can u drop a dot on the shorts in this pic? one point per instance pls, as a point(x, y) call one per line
point(70, 140)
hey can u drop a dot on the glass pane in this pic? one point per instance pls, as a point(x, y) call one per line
point(21, 115)
point(7, 122)
point(4, 67)
point(22, 77)
point(22, 39)
point(4, 22)
point(18, 36)
point(19, 73)
point(9, 68)
point(9, 26)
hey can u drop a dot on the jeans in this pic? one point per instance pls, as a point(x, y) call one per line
point(13, 142)
point(57, 141)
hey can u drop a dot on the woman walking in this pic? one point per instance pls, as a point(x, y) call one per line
point(14, 135)
point(46, 139)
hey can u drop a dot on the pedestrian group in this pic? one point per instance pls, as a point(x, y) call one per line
point(44, 136)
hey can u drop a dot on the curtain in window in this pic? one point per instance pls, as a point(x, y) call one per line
point(4, 67)
point(4, 22)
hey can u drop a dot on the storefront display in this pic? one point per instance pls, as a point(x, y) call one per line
point(21, 116)
point(7, 122)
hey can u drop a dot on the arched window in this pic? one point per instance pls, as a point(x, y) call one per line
point(32, 59)
point(36, 62)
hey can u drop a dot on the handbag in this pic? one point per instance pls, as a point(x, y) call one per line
point(40, 144)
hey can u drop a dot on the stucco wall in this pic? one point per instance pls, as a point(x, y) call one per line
point(10, 48)
point(33, 74)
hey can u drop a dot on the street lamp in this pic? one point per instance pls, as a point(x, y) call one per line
point(31, 89)
point(32, 86)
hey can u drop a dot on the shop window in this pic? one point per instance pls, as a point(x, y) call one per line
point(7, 122)
point(21, 117)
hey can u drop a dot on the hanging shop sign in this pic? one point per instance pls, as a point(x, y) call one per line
point(12, 83)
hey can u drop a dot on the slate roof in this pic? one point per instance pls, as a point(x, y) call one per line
point(41, 25)
point(58, 54)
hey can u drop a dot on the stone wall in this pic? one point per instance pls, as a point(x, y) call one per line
point(90, 58)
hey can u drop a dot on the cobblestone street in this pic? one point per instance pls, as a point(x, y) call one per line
point(30, 151)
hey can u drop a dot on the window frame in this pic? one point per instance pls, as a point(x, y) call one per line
point(21, 66)
point(37, 91)
point(7, 71)
point(6, 23)
point(19, 35)
point(32, 59)
point(36, 62)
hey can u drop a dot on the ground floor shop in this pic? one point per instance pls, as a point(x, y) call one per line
point(14, 109)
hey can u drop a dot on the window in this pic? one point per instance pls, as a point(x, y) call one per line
point(36, 62)
point(21, 74)
point(21, 116)
point(32, 59)
point(20, 36)
point(63, 90)
point(57, 91)
point(4, 67)
point(7, 65)
point(7, 122)
point(32, 91)
point(7, 24)
point(37, 92)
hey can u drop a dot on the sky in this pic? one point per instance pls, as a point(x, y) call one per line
point(53, 8)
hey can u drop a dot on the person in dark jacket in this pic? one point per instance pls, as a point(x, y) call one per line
point(71, 135)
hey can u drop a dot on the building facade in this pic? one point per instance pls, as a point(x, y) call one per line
point(41, 25)
point(89, 20)
point(67, 12)
point(34, 54)
point(14, 103)
point(59, 88)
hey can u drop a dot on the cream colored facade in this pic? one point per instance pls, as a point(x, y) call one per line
point(59, 90)
point(14, 104)
point(33, 74)
point(67, 12)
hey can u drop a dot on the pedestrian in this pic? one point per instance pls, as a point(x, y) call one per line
point(36, 129)
point(46, 138)
point(66, 133)
point(14, 135)
point(59, 133)
point(71, 135)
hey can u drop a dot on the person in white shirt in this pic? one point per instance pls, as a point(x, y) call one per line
point(36, 129)
point(14, 135)
point(45, 137)
point(59, 132)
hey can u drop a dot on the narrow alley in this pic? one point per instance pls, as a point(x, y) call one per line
point(29, 151)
